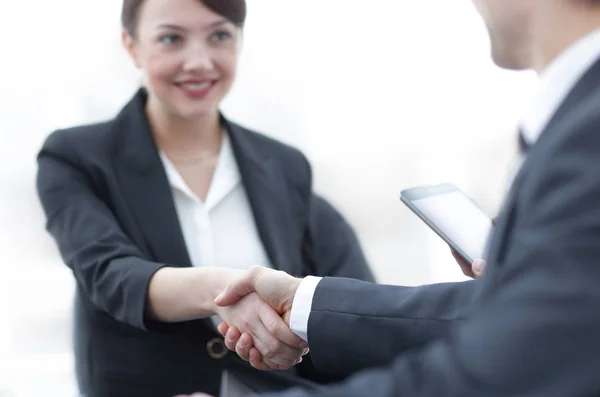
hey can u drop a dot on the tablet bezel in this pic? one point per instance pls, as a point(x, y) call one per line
point(420, 192)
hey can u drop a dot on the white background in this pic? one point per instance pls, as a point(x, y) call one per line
point(381, 95)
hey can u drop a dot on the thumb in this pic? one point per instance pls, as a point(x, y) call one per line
point(236, 290)
point(478, 267)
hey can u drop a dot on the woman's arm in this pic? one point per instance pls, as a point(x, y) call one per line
point(111, 270)
point(181, 294)
point(108, 266)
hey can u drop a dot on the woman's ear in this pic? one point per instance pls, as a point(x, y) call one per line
point(130, 46)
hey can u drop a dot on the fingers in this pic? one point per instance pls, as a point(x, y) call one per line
point(243, 346)
point(238, 289)
point(464, 266)
point(232, 337)
point(223, 328)
point(478, 267)
point(276, 353)
point(280, 330)
point(279, 347)
point(256, 360)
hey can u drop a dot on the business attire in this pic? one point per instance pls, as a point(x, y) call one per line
point(119, 211)
point(530, 327)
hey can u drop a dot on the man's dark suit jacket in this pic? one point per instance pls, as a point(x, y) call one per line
point(109, 208)
point(530, 327)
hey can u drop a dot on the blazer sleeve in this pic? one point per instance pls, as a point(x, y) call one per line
point(369, 324)
point(106, 264)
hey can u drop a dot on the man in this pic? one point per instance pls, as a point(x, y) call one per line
point(532, 328)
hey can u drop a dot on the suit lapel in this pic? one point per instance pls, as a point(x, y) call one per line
point(268, 196)
point(499, 237)
point(144, 184)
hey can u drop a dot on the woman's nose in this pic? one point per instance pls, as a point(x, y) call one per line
point(198, 59)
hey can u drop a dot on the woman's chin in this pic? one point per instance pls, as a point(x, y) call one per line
point(196, 113)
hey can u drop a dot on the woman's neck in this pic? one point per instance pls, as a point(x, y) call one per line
point(185, 140)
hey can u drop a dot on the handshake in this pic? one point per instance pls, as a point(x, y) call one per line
point(255, 309)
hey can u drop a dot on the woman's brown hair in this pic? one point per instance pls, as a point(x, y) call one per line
point(233, 10)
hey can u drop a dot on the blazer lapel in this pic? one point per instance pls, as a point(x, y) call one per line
point(145, 187)
point(498, 240)
point(268, 196)
point(586, 86)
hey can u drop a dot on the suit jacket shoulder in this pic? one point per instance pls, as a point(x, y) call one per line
point(87, 138)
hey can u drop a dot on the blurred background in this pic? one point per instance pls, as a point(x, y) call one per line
point(380, 95)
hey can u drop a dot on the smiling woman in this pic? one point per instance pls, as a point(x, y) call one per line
point(156, 210)
point(188, 51)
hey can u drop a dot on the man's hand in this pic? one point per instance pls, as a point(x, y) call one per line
point(275, 287)
point(278, 346)
point(473, 270)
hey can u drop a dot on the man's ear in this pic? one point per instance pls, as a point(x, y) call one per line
point(130, 46)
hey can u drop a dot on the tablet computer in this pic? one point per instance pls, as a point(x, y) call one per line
point(453, 216)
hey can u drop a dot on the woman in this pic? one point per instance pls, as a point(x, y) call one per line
point(158, 209)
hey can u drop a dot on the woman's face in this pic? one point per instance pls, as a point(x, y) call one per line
point(188, 55)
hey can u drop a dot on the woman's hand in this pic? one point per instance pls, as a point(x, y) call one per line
point(243, 345)
point(278, 346)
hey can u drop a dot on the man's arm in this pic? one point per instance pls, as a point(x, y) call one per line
point(351, 319)
point(534, 331)
point(355, 325)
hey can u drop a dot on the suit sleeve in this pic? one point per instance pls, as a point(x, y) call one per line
point(369, 324)
point(535, 332)
point(106, 264)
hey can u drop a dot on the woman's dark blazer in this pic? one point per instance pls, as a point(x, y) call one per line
point(110, 210)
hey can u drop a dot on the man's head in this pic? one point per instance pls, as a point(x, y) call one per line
point(529, 34)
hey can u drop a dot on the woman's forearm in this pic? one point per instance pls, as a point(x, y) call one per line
point(181, 294)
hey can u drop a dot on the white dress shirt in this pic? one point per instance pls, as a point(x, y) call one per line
point(220, 231)
point(556, 81)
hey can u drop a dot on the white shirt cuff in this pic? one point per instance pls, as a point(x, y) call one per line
point(302, 306)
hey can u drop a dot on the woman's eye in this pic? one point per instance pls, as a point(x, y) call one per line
point(170, 39)
point(221, 36)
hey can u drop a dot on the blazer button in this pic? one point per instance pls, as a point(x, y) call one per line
point(216, 348)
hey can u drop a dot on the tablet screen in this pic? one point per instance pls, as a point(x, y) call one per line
point(459, 219)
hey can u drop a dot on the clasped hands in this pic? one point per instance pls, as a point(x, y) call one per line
point(255, 309)
point(268, 342)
